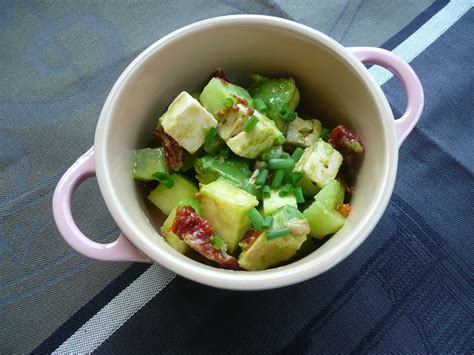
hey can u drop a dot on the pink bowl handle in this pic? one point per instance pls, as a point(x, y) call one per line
point(119, 250)
point(414, 91)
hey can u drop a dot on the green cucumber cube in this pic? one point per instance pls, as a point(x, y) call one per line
point(275, 201)
point(331, 195)
point(187, 122)
point(171, 238)
point(323, 221)
point(148, 161)
point(224, 205)
point(217, 90)
point(167, 198)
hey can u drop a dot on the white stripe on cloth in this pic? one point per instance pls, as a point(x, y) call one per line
point(424, 36)
point(110, 318)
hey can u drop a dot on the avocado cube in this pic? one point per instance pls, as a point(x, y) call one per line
point(187, 122)
point(319, 164)
point(224, 205)
point(251, 144)
point(217, 91)
point(167, 198)
point(171, 238)
point(264, 253)
point(323, 221)
point(275, 201)
point(303, 133)
point(148, 161)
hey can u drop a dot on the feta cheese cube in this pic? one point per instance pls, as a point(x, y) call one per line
point(187, 122)
point(319, 165)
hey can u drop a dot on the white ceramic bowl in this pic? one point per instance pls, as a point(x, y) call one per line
point(334, 84)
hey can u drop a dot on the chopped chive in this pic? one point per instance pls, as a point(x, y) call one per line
point(287, 179)
point(224, 152)
point(251, 123)
point(283, 111)
point(287, 164)
point(298, 193)
point(297, 154)
point(262, 177)
point(285, 190)
point(289, 116)
point(277, 233)
point(296, 176)
point(271, 153)
point(255, 218)
point(229, 102)
point(266, 191)
point(217, 242)
point(211, 134)
point(284, 155)
point(324, 133)
point(267, 222)
point(278, 178)
point(164, 179)
point(259, 104)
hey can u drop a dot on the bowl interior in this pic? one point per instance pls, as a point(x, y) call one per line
point(333, 89)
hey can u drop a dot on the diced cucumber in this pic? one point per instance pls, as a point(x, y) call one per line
point(148, 161)
point(331, 195)
point(323, 221)
point(187, 122)
point(216, 91)
point(275, 201)
point(167, 198)
point(224, 205)
point(209, 168)
point(319, 164)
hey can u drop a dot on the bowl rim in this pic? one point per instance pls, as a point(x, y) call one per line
point(244, 280)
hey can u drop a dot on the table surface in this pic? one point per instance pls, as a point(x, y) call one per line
point(59, 60)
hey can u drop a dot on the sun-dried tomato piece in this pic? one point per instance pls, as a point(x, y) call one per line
point(197, 232)
point(346, 141)
point(219, 74)
point(344, 209)
point(173, 152)
point(250, 237)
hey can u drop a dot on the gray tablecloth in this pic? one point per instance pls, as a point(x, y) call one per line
point(58, 60)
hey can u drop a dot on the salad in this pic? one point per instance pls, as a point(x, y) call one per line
point(245, 181)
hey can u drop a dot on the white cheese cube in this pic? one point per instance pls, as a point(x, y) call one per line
point(187, 122)
point(319, 165)
point(303, 133)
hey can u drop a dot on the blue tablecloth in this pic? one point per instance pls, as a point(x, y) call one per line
point(409, 288)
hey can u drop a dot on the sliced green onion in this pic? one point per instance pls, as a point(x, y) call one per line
point(255, 218)
point(164, 179)
point(287, 178)
point(251, 123)
point(287, 164)
point(324, 133)
point(298, 193)
point(267, 222)
point(277, 233)
point(296, 176)
point(271, 153)
point(259, 104)
point(284, 155)
point(266, 191)
point(283, 112)
point(285, 190)
point(289, 116)
point(211, 134)
point(297, 154)
point(217, 242)
point(229, 102)
point(278, 178)
point(262, 177)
